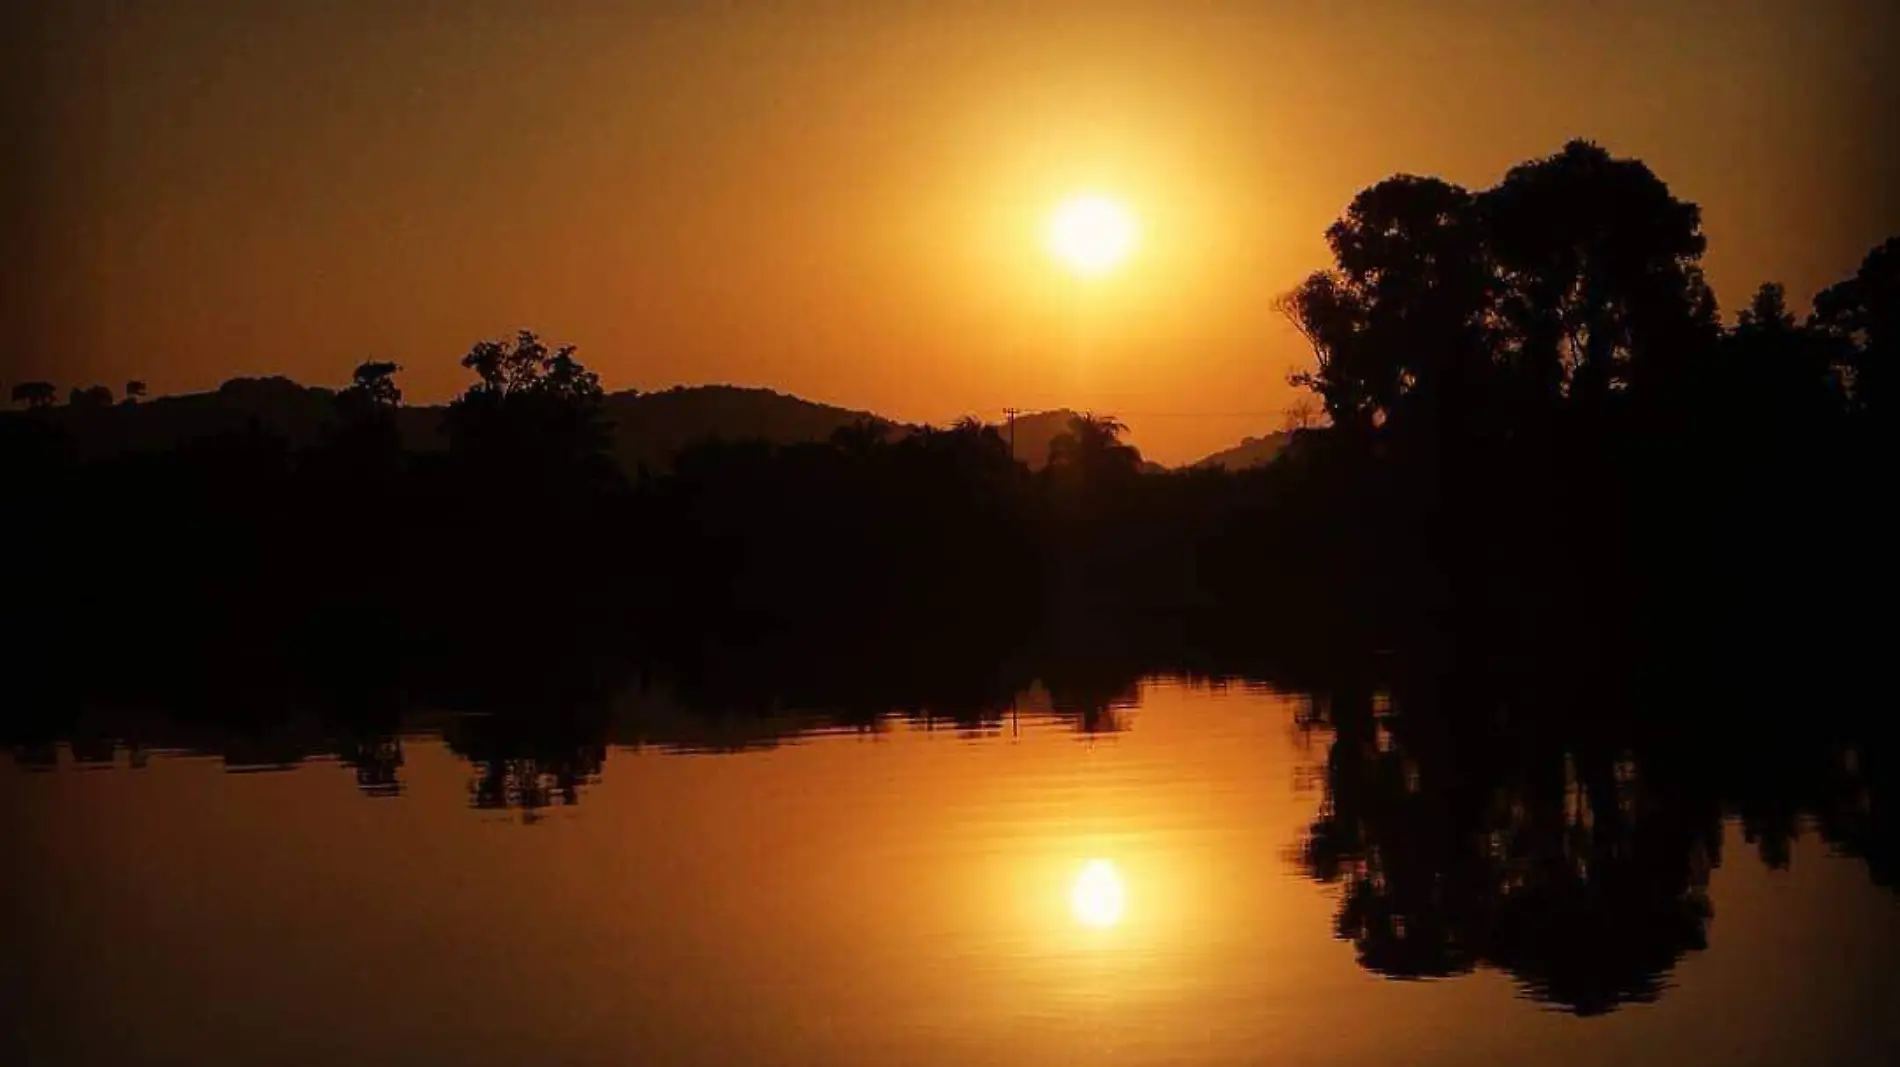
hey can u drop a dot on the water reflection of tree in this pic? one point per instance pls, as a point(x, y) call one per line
point(971, 683)
point(1561, 833)
point(377, 761)
point(36, 755)
point(529, 765)
point(1565, 845)
point(1092, 707)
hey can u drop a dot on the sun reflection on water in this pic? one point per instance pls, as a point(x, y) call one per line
point(1097, 897)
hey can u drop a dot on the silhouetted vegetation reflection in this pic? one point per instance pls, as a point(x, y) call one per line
point(1571, 570)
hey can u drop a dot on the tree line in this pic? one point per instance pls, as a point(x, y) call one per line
point(37, 395)
point(1539, 440)
point(1560, 830)
point(1570, 570)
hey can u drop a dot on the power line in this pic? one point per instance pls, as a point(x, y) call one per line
point(1202, 414)
point(1012, 413)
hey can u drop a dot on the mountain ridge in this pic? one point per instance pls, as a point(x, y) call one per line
point(1250, 452)
point(650, 428)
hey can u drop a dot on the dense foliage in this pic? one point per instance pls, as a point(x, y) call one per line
point(1541, 442)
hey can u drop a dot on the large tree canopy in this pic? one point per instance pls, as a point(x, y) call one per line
point(1574, 284)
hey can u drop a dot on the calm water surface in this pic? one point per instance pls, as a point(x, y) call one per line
point(1029, 893)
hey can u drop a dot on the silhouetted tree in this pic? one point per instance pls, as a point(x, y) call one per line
point(1599, 267)
point(1400, 320)
point(1864, 313)
point(366, 442)
point(530, 405)
point(1576, 277)
point(92, 397)
point(1302, 414)
point(1767, 312)
point(35, 394)
point(1357, 392)
point(372, 387)
point(135, 391)
point(1778, 376)
point(1093, 446)
point(528, 367)
point(861, 437)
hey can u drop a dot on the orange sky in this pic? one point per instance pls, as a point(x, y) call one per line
point(845, 201)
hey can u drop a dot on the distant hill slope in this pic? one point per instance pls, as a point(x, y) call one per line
point(1036, 429)
point(299, 412)
point(1250, 452)
point(649, 428)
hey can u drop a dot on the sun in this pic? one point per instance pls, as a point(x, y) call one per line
point(1091, 233)
point(1096, 899)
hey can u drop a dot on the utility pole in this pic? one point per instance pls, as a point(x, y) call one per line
point(1010, 414)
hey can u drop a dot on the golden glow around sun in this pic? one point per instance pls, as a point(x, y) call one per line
point(1092, 234)
point(1097, 896)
